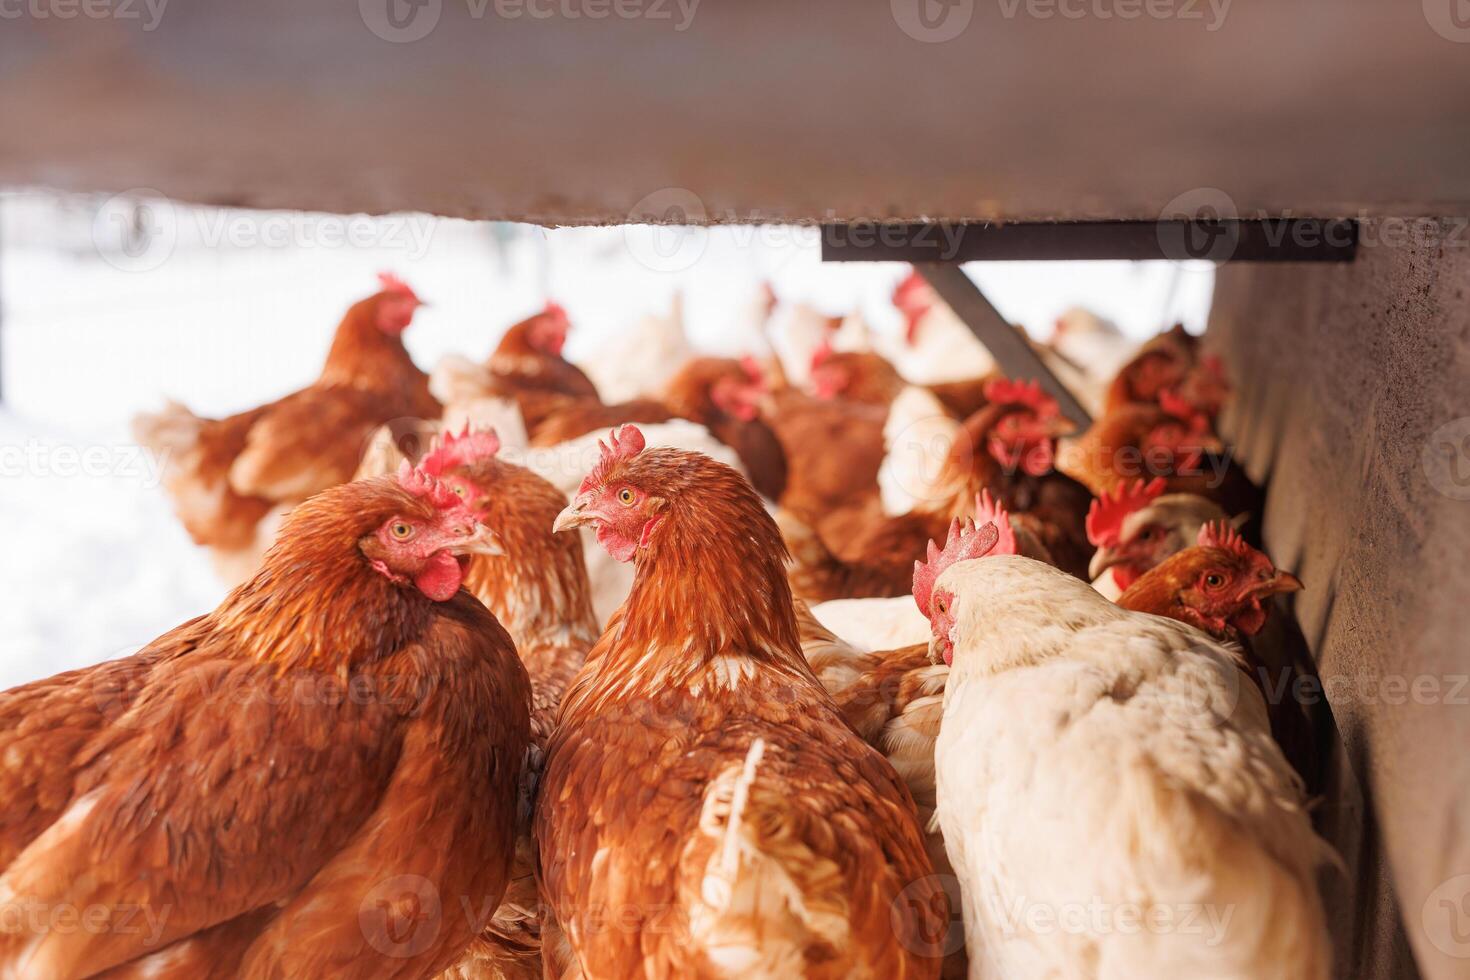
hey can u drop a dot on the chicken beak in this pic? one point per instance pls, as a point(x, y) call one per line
point(1103, 559)
point(575, 515)
point(1061, 426)
point(1281, 583)
point(476, 539)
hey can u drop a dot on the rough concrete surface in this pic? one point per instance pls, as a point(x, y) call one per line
point(1345, 377)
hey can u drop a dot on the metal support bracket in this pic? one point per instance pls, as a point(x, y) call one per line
point(1007, 344)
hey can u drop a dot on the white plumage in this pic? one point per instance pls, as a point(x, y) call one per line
point(917, 438)
point(796, 332)
point(1110, 795)
point(944, 349)
point(874, 624)
point(662, 344)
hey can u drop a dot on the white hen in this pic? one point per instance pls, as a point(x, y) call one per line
point(936, 345)
point(662, 346)
point(917, 438)
point(1109, 792)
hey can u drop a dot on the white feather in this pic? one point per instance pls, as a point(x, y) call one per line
point(874, 624)
point(1095, 765)
point(917, 437)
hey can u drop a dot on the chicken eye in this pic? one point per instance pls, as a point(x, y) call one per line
point(625, 496)
point(941, 605)
point(1214, 580)
point(401, 530)
point(458, 490)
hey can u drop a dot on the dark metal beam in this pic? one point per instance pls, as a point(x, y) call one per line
point(1205, 236)
point(1007, 344)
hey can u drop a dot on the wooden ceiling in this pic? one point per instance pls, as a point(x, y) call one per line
point(598, 111)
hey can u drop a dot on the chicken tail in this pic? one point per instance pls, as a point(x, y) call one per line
point(194, 455)
point(457, 379)
point(837, 663)
point(169, 433)
point(760, 901)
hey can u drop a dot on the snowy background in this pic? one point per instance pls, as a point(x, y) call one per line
point(107, 306)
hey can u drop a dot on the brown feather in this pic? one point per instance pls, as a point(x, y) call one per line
point(639, 805)
point(321, 733)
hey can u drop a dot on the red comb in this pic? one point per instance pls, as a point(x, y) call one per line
point(1176, 405)
point(1106, 515)
point(913, 297)
point(962, 544)
point(1003, 391)
point(449, 450)
point(822, 354)
point(557, 313)
point(913, 288)
point(1215, 367)
point(422, 484)
point(768, 296)
point(622, 443)
point(988, 510)
point(390, 283)
point(1219, 534)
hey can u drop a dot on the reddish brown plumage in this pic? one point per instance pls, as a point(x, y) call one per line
point(226, 475)
point(1235, 610)
point(528, 367)
point(701, 664)
point(538, 590)
point(1140, 441)
point(1163, 362)
point(833, 449)
point(869, 378)
point(1217, 586)
point(723, 395)
point(265, 772)
point(859, 552)
point(571, 417)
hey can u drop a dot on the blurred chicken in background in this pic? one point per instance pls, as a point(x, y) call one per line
point(233, 479)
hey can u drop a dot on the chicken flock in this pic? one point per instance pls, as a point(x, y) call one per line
point(847, 658)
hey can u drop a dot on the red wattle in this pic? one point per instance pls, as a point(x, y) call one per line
point(1250, 619)
point(620, 547)
point(440, 578)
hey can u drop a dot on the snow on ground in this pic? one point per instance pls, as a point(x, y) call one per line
point(226, 309)
point(96, 565)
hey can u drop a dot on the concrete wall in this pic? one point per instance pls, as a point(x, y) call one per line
point(1346, 378)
